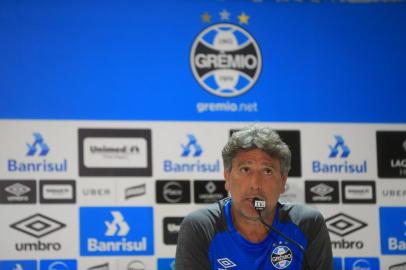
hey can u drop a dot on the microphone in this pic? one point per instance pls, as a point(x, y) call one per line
point(259, 206)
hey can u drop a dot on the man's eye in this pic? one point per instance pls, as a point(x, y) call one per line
point(244, 169)
point(268, 171)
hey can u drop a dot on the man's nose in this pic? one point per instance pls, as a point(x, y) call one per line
point(255, 181)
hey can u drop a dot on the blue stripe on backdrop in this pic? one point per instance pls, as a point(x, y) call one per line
point(130, 60)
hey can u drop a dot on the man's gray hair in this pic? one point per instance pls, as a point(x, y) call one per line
point(263, 138)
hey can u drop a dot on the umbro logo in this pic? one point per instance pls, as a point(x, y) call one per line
point(322, 191)
point(17, 189)
point(225, 263)
point(343, 225)
point(38, 225)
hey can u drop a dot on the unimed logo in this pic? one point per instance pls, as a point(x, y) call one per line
point(116, 231)
point(115, 152)
point(393, 230)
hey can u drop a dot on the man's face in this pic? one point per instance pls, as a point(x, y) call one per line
point(254, 174)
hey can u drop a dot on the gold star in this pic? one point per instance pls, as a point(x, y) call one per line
point(243, 18)
point(206, 17)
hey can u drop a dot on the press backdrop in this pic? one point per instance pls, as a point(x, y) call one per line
point(114, 114)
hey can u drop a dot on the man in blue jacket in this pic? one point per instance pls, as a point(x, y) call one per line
point(234, 235)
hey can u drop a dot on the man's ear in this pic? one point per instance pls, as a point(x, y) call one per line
point(284, 179)
point(227, 179)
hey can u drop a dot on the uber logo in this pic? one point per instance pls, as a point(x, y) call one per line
point(18, 191)
point(321, 191)
point(292, 139)
point(173, 191)
point(209, 191)
point(394, 193)
point(171, 229)
point(358, 191)
point(391, 150)
point(57, 191)
point(115, 152)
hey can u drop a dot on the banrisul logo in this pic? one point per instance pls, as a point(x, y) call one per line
point(18, 265)
point(225, 60)
point(37, 158)
point(338, 160)
point(393, 230)
point(116, 231)
point(166, 264)
point(191, 153)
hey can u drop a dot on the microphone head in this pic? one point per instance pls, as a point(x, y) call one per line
point(258, 204)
